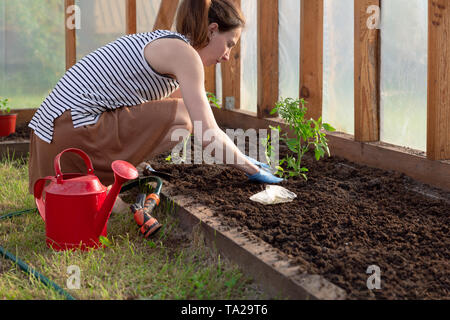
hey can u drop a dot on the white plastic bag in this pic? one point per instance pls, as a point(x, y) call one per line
point(274, 195)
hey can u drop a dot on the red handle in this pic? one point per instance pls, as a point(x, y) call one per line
point(38, 194)
point(81, 153)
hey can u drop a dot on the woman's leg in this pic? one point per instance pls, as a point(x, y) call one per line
point(182, 122)
point(133, 134)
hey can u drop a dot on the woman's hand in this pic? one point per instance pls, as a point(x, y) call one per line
point(264, 176)
point(259, 164)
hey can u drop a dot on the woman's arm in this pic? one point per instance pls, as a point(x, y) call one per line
point(172, 56)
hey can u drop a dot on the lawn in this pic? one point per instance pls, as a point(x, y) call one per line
point(173, 265)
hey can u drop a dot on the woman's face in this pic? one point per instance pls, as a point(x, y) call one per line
point(220, 45)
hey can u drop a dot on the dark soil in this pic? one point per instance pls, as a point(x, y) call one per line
point(345, 218)
point(22, 133)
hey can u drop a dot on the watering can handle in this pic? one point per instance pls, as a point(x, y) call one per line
point(38, 194)
point(81, 153)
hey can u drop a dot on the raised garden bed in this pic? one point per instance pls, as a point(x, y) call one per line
point(16, 144)
point(22, 133)
point(345, 218)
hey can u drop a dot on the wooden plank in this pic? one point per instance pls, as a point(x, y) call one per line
point(438, 118)
point(267, 57)
point(24, 115)
point(231, 75)
point(311, 56)
point(367, 71)
point(374, 154)
point(131, 20)
point(166, 14)
point(210, 79)
point(231, 78)
point(390, 157)
point(14, 149)
point(70, 34)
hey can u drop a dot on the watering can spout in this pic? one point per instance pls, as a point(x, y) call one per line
point(123, 171)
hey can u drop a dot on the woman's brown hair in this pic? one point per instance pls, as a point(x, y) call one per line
point(194, 17)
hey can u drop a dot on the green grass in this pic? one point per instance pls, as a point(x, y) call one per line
point(173, 265)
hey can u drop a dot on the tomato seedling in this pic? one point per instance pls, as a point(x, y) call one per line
point(307, 134)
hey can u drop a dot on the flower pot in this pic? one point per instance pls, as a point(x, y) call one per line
point(7, 124)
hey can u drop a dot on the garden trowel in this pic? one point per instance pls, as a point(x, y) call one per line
point(149, 171)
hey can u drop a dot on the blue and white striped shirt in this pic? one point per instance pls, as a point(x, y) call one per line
point(111, 77)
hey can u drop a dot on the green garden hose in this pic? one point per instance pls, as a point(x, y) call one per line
point(144, 206)
point(17, 213)
point(26, 268)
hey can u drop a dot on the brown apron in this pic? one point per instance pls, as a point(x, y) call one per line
point(133, 134)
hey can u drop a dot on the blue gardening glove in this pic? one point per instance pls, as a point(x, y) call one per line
point(259, 164)
point(264, 176)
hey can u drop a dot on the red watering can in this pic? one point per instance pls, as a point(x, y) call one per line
point(77, 206)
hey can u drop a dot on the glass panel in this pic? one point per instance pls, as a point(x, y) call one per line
point(102, 21)
point(32, 46)
point(404, 39)
point(249, 71)
point(147, 11)
point(3, 46)
point(289, 48)
point(146, 14)
point(338, 65)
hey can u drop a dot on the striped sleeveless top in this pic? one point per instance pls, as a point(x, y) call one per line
point(111, 77)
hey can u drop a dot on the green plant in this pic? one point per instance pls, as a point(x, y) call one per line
point(4, 108)
point(183, 158)
point(307, 134)
point(213, 100)
point(269, 150)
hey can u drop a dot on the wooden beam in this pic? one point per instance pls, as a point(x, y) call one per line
point(438, 118)
point(267, 57)
point(375, 154)
point(70, 34)
point(166, 14)
point(311, 56)
point(231, 76)
point(210, 79)
point(131, 20)
point(367, 74)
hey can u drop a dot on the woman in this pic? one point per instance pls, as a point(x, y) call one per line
point(124, 100)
